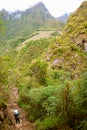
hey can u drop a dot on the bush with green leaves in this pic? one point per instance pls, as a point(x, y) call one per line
point(4, 90)
point(82, 102)
point(46, 104)
point(56, 105)
point(3, 71)
point(39, 71)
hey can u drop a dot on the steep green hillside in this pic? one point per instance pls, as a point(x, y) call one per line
point(76, 27)
point(68, 51)
point(52, 77)
point(28, 20)
point(53, 24)
point(33, 50)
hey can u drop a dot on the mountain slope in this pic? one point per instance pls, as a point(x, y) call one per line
point(68, 52)
point(21, 25)
point(28, 20)
point(77, 24)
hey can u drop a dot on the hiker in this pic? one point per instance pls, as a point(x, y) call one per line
point(17, 116)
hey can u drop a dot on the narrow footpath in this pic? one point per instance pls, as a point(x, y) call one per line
point(12, 105)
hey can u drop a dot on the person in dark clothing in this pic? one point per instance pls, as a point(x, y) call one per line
point(17, 116)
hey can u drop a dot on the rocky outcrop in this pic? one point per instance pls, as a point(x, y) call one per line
point(85, 47)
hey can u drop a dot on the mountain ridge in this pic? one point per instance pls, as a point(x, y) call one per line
point(20, 25)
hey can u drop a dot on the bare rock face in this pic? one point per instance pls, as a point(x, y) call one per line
point(82, 42)
point(85, 47)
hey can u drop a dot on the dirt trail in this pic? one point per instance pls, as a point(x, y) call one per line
point(40, 35)
point(12, 104)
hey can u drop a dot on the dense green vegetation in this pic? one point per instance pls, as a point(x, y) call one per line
point(57, 106)
point(51, 75)
point(4, 89)
point(54, 92)
point(2, 66)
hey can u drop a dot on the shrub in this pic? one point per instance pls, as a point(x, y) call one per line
point(57, 105)
point(39, 71)
point(48, 123)
point(45, 105)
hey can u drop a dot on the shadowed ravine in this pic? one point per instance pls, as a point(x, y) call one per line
point(12, 104)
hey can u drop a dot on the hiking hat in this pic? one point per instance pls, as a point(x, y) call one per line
point(15, 111)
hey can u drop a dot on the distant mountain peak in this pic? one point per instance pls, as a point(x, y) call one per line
point(38, 12)
point(40, 4)
point(64, 17)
